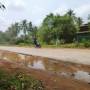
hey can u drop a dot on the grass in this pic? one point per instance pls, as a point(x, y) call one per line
point(19, 81)
point(71, 45)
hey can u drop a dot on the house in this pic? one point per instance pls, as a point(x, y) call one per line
point(83, 34)
point(84, 28)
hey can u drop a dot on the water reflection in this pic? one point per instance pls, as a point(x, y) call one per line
point(31, 61)
point(36, 65)
point(81, 75)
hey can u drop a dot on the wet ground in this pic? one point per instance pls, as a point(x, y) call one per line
point(60, 75)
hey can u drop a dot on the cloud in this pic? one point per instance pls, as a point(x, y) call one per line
point(60, 7)
point(36, 10)
point(83, 10)
point(80, 11)
point(61, 10)
point(16, 5)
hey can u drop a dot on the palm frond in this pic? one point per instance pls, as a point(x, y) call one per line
point(2, 6)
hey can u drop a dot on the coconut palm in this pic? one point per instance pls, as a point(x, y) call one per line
point(70, 13)
point(24, 28)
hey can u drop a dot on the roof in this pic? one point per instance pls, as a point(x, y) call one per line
point(83, 32)
point(84, 25)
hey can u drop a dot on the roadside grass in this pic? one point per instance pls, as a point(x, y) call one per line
point(71, 45)
point(19, 81)
point(85, 44)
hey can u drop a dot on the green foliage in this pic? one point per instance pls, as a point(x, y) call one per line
point(20, 32)
point(56, 27)
point(19, 81)
point(86, 43)
point(54, 30)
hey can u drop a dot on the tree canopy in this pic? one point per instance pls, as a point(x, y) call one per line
point(61, 28)
point(55, 29)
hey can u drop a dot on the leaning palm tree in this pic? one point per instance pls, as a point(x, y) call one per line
point(2, 6)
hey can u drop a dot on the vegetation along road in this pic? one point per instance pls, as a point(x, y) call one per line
point(81, 56)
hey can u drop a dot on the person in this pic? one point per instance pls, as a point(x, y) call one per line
point(36, 43)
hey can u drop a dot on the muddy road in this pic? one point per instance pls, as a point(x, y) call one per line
point(55, 74)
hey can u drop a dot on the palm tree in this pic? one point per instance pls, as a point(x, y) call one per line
point(30, 27)
point(79, 21)
point(70, 13)
point(2, 6)
point(24, 28)
point(17, 28)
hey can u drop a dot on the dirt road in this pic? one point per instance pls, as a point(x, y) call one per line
point(81, 56)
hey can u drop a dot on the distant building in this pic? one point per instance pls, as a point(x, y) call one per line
point(84, 33)
point(84, 28)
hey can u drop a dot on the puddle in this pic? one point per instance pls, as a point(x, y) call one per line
point(36, 65)
point(33, 61)
point(65, 69)
point(81, 75)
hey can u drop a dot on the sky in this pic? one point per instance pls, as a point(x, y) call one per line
point(36, 10)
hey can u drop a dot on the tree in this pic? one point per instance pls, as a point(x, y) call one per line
point(16, 29)
point(2, 38)
point(79, 22)
point(70, 13)
point(34, 32)
point(24, 28)
point(12, 33)
point(56, 27)
point(68, 29)
point(46, 30)
point(30, 29)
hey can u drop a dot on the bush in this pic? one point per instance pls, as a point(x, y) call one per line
point(19, 81)
point(85, 43)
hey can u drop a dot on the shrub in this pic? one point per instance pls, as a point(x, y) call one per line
point(86, 44)
point(19, 81)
